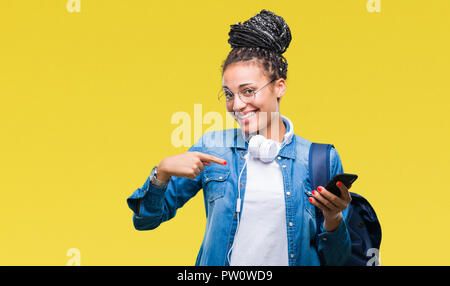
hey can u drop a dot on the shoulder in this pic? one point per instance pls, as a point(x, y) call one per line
point(303, 146)
point(302, 142)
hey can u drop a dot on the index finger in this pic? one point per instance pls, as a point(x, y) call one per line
point(210, 158)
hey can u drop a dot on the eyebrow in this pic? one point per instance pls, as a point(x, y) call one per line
point(241, 85)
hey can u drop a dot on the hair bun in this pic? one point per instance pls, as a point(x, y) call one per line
point(264, 30)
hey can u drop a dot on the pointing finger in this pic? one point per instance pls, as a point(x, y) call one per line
point(210, 158)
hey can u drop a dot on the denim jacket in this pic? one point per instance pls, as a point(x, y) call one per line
point(219, 184)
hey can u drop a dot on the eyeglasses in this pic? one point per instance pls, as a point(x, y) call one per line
point(246, 94)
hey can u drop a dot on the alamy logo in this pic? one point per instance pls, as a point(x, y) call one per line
point(75, 257)
point(181, 135)
point(73, 6)
point(373, 6)
point(374, 253)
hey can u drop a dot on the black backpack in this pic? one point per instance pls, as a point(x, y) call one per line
point(362, 222)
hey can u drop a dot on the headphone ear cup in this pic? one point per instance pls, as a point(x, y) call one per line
point(268, 150)
point(254, 145)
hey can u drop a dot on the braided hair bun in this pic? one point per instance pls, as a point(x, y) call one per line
point(264, 30)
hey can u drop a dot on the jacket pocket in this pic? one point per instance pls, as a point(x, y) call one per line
point(310, 208)
point(214, 183)
point(310, 215)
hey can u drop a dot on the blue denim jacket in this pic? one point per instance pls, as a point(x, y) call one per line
point(219, 184)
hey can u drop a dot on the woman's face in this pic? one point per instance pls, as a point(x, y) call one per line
point(264, 108)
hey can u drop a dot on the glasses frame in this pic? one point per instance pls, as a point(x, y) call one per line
point(221, 92)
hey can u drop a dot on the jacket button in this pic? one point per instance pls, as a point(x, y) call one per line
point(284, 166)
point(220, 178)
point(291, 223)
point(292, 255)
point(288, 193)
point(279, 158)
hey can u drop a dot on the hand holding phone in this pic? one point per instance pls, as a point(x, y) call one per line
point(331, 206)
point(345, 178)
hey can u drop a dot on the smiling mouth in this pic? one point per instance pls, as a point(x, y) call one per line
point(246, 116)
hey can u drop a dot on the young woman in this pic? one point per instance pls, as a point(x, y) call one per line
point(255, 183)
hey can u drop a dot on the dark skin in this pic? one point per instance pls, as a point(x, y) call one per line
point(331, 205)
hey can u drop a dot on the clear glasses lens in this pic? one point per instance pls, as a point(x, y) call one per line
point(227, 97)
point(247, 95)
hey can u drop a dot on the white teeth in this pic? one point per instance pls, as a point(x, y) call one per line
point(250, 114)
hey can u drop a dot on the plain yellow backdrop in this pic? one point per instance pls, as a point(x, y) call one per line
point(87, 100)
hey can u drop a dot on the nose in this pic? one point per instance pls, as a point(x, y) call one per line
point(238, 104)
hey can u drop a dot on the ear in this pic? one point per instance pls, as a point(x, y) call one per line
point(280, 87)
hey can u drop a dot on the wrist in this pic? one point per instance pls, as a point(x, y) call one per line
point(332, 223)
point(161, 174)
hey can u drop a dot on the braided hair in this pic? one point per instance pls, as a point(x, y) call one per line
point(264, 37)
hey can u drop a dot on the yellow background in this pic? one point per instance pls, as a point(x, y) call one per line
point(87, 99)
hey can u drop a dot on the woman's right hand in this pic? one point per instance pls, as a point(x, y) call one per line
point(188, 164)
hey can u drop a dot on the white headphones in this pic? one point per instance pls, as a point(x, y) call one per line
point(265, 150)
point(262, 148)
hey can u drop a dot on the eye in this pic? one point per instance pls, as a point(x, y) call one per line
point(228, 94)
point(248, 92)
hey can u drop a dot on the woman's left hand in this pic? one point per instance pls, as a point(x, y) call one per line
point(331, 205)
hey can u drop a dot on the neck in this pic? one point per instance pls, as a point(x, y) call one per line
point(275, 130)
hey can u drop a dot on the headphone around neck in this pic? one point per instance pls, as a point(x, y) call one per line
point(267, 149)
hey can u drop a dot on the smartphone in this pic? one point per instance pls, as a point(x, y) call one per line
point(345, 178)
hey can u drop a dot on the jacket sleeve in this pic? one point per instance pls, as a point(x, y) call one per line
point(159, 204)
point(335, 246)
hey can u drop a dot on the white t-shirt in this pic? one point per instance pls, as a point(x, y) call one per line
point(261, 237)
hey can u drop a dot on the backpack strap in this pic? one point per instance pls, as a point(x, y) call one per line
point(319, 172)
point(319, 164)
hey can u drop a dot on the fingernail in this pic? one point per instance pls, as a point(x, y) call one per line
point(225, 162)
point(339, 184)
point(319, 189)
point(314, 193)
point(310, 200)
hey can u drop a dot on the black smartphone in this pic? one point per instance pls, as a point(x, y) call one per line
point(346, 179)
